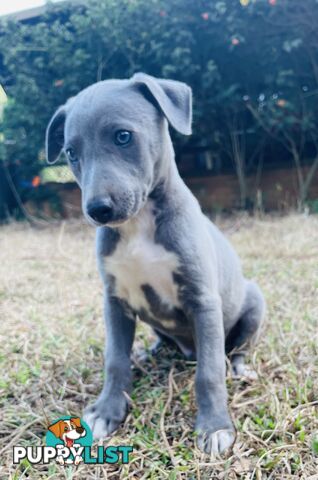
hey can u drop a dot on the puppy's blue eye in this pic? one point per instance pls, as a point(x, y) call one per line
point(122, 137)
point(71, 155)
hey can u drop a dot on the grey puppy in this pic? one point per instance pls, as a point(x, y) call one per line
point(159, 257)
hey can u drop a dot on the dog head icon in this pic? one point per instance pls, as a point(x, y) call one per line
point(68, 430)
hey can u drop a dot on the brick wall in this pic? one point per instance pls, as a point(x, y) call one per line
point(278, 190)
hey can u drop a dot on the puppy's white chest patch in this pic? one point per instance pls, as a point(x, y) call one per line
point(138, 260)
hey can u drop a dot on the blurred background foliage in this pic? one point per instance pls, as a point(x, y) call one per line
point(252, 65)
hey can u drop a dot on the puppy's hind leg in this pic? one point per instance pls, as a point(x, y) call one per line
point(245, 331)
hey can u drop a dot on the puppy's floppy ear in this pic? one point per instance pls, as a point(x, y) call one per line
point(54, 138)
point(173, 98)
point(56, 428)
point(76, 420)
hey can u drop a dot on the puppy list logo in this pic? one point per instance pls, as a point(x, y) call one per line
point(69, 442)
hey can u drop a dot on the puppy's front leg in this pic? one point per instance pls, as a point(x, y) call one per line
point(213, 425)
point(110, 410)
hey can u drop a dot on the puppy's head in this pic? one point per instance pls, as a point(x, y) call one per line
point(116, 139)
point(68, 430)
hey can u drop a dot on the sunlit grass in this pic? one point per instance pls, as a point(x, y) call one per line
point(52, 354)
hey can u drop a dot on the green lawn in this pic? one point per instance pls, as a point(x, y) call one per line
point(52, 354)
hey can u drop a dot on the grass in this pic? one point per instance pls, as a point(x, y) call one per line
point(52, 353)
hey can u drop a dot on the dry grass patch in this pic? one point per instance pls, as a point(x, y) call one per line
point(51, 359)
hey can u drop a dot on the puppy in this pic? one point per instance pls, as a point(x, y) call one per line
point(161, 260)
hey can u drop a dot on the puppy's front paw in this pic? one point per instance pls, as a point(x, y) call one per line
point(215, 442)
point(106, 415)
point(77, 460)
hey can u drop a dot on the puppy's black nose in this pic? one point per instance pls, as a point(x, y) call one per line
point(101, 211)
point(79, 429)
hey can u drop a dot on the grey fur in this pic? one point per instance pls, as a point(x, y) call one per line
point(204, 304)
